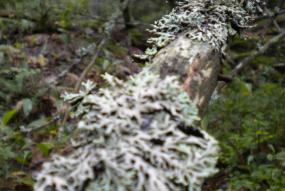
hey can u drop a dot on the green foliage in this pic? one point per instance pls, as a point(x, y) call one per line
point(8, 116)
point(21, 92)
point(17, 83)
point(7, 134)
point(250, 128)
point(46, 15)
point(6, 3)
point(16, 150)
point(6, 152)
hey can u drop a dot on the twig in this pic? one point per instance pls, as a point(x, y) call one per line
point(27, 130)
point(83, 75)
point(109, 27)
point(262, 50)
point(122, 10)
point(90, 65)
point(282, 12)
point(252, 56)
point(64, 72)
point(273, 20)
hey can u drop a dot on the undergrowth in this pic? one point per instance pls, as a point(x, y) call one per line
point(250, 128)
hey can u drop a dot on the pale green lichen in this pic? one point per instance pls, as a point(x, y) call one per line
point(212, 21)
point(138, 135)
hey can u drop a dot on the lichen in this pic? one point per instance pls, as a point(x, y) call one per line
point(141, 135)
point(137, 135)
point(212, 21)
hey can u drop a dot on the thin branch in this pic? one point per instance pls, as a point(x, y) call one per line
point(242, 64)
point(29, 130)
point(83, 75)
point(90, 65)
point(276, 14)
point(109, 27)
point(262, 50)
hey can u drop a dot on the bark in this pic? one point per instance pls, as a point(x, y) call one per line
point(196, 63)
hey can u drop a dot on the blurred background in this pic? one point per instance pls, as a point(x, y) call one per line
point(46, 46)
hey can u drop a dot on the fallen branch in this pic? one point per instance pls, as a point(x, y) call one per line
point(141, 130)
point(261, 50)
point(243, 63)
point(197, 64)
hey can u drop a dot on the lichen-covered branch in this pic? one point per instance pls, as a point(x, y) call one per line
point(141, 135)
point(191, 39)
point(210, 21)
point(197, 64)
point(137, 135)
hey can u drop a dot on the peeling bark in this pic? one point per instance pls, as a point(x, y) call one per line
point(197, 64)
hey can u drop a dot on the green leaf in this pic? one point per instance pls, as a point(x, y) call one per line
point(204, 123)
point(280, 156)
point(37, 123)
point(24, 157)
point(45, 147)
point(27, 106)
point(8, 116)
point(243, 87)
point(270, 157)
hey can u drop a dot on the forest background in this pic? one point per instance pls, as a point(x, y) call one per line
point(46, 47)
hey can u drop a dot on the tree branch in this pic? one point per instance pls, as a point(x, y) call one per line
point(90, 65)
point(197, 64)
point(262, 50)
point(243, 63)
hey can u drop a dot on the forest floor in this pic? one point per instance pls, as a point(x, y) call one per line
point(36, 69)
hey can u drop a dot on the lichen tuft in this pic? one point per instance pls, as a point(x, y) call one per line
point(138, 135)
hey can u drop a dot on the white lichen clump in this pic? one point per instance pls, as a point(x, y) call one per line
point(212, 21)
point(137, 135)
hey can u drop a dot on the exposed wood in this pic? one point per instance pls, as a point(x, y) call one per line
point(196, 63)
